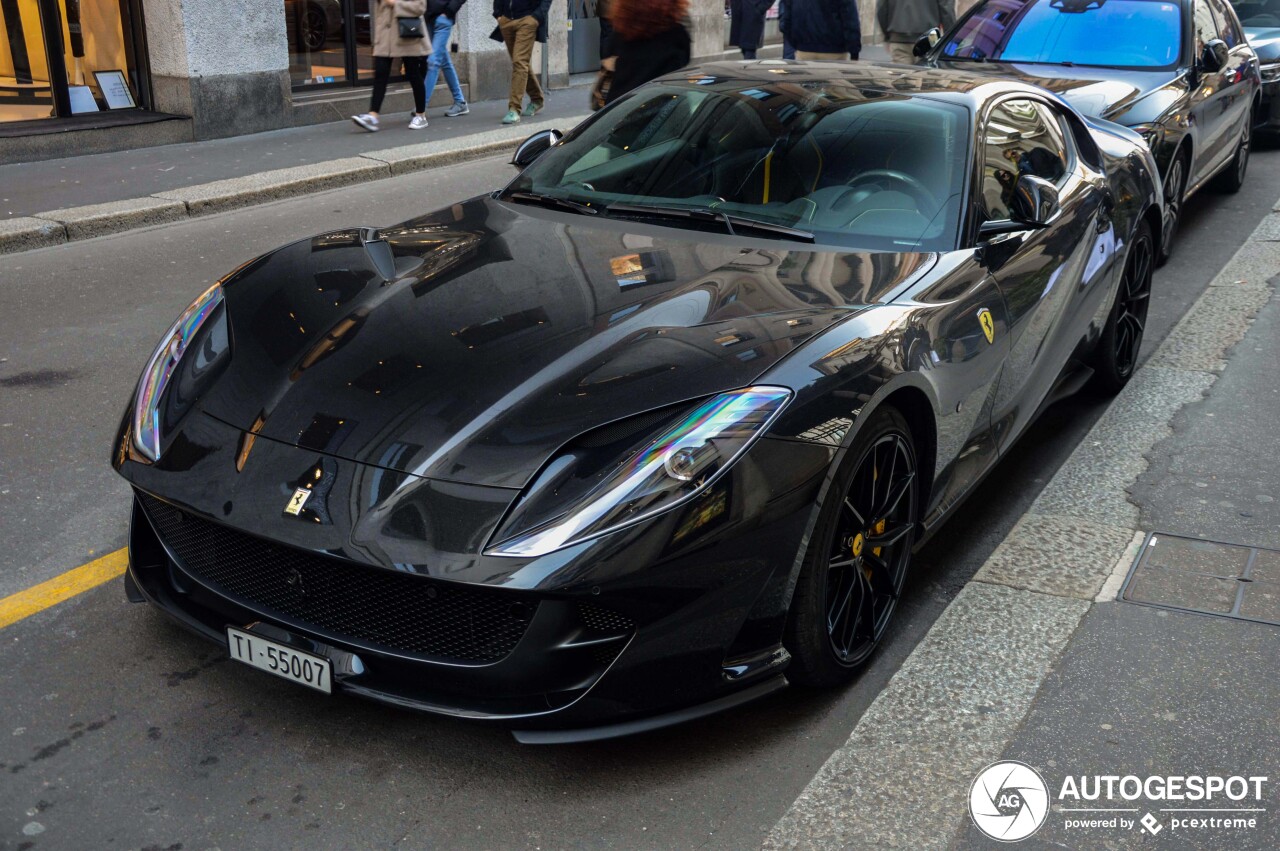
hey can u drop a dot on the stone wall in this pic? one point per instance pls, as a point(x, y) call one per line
point(225, 65)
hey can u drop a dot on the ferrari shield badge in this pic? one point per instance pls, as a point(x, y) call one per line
point(988, 324)
point(296, 501)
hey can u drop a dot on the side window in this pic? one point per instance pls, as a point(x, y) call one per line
point(1206, 26)
point(1021, 137)
point(1227, 23)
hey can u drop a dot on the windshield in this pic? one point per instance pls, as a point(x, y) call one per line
point(850, 167)
point(1258, 13)
point(1113, 33)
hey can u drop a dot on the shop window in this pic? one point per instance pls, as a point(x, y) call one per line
point(94, 66)
point(330, 41)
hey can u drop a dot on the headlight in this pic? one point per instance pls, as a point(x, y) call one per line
point(1270, 72)
point(600, 484)
point(149, 400)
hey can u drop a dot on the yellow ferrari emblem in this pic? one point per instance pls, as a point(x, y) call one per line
point(296, 501)
point(857, 545)
point(988, 324)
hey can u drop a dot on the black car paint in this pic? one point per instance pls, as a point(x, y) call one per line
point(1265, 42)
point(503, 333)
point(707, 585)
point(1200, 112)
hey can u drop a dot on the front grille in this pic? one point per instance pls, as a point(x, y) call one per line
point(404, 613)
point(603, 623)
point(603, 620)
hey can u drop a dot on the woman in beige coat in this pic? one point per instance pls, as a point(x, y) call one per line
point(388, 46)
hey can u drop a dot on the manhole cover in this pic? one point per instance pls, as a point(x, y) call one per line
point(1209, 577)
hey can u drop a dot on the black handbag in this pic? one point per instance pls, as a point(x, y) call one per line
point(411, 28)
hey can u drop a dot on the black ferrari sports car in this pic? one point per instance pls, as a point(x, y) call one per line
point(654, 429)
point(1178, 71)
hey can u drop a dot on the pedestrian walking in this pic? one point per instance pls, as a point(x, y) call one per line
point(822, 29)
point(650, 39)
point(608, 57)
point(520, 24)
point(399, 32)
point(904, 21)
point(441, 16)
point(746, 25)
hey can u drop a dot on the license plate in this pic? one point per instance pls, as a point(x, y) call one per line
point(276, 658)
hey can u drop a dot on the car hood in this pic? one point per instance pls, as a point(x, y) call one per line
point(1265, 42)
point(1100, 92)
point(470, 344)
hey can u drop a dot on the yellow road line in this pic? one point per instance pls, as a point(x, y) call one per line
point(37, 598)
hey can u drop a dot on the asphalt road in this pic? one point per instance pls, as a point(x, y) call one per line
point(119, 730)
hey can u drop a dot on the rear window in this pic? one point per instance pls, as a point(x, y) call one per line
point(1111, 33)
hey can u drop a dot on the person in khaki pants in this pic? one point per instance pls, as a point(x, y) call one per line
point(520, 24)
point(904, 21)
point(821, 29)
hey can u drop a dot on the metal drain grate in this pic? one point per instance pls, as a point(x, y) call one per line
point(1209, 577)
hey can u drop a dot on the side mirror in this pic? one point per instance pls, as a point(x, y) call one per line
point(926, 42)
point(1214, 56)
point(533, 147)
point(1035, 201)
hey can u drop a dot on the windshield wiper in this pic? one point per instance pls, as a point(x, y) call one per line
point(554, 202)
point(732, 224)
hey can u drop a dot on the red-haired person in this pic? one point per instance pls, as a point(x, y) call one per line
point(650, 40)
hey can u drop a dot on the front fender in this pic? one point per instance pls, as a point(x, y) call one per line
point(933, 350)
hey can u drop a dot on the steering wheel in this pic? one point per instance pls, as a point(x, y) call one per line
point(911, 185)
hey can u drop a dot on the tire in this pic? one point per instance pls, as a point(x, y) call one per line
point(1231, 178)
point(315, 28)
point(834, 624)
point(1175, 192)
point(1116, 357)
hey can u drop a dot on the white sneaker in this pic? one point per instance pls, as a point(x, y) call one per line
point(367, 121)
point(418, 122)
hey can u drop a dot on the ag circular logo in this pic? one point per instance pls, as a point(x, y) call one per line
point(1008, 801)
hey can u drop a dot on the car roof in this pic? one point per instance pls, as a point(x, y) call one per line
point(961, 87)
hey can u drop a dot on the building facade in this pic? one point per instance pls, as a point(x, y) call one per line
point(82, 76)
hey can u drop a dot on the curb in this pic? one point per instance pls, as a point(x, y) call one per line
point(902, 778)
point(55, 227)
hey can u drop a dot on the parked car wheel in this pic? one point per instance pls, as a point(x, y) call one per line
point(858, 556)
point(1232, 177)
point(1175, 192)
point(1116, 357)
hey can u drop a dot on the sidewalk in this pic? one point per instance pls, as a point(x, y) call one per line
point(1038, 660)
point(29, 188)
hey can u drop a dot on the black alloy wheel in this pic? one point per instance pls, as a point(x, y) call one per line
point(314, 28)
point(1116, 357)
point(1232, 177)
point(858, 556)
point(1175, 190)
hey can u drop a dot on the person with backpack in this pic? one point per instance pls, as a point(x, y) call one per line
point(441, 16)
point(399, 32)
point(520, 24)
